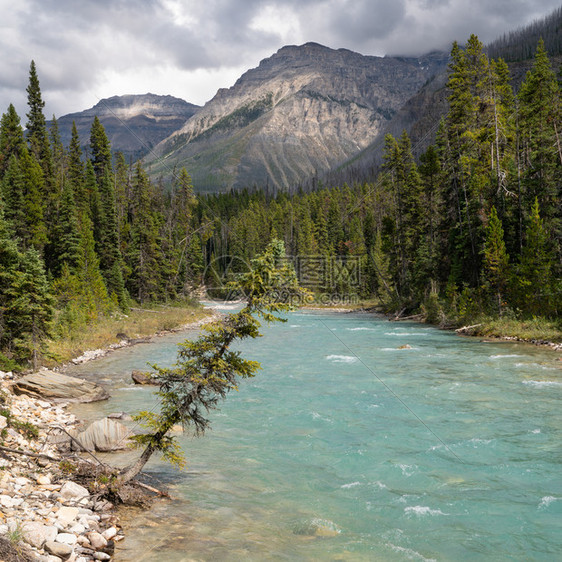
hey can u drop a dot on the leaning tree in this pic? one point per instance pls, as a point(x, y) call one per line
point(207, 368)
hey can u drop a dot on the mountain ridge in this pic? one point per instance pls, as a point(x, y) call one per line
point(134, 123)
point(298, 113)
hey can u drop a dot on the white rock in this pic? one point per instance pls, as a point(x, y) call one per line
point(67, 515)
point(71, 490)
point(66, 538)
point(36, 534)
point(6, 501)
point(108, 534)
point(77, 529)
point(59, 549)
point(43, 479)
point(83, 541)
point(3, 422)
point(21, 481)
point(101, 556)
point(97, 540)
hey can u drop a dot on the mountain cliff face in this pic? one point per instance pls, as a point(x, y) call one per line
point(134, 124)
point(298, 114)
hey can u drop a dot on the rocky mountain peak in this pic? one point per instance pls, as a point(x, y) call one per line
point(301, 111)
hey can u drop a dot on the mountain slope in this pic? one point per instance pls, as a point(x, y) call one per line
point(298, 114)
point(134, 124)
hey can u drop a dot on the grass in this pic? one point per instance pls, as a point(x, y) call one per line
point(138, 323)
point(535, 329)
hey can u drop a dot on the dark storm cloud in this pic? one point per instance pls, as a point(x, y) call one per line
point(85, 48)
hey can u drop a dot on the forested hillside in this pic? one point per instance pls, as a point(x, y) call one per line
point(473, 228)
point(520, 44)
point(80, 238)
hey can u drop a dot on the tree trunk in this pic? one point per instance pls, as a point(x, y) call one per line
point(130, 472)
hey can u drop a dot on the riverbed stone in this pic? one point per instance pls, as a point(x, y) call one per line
point(143, 378)
point(104, 435)
point(108, 534)
point(57, 387)
point(58, 549)
point(67, 515)
point(36, 534)
point(66, 538)
point(97, 540)
point(43, 479)
point(71, 490)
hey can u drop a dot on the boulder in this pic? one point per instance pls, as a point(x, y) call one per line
point(72, 491)
point(36, 534)
point(142, 377)
point(67, 515)
point(58, 549)
point(59, 388)
point(104, 435)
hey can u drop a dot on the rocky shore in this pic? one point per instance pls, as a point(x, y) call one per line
point(44, 514)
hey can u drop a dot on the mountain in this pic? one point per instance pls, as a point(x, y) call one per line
point(298, 114)
point(134, 124)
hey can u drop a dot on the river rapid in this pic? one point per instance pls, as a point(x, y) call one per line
point(359, 440)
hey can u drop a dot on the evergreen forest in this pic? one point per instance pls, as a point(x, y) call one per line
point(473, 228)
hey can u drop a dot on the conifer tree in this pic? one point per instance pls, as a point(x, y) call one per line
point(12, 141)
point(100, 149)
point(539, 116)
point(37, 135)
point(495, 270)
point(143, 257)
point(65, 243)
point(75, 171)
point(534, 275)
point(107, 246)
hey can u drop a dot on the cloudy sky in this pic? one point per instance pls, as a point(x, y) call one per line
point(86, 50)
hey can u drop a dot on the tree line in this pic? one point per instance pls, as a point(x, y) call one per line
point(519, 45)
point(82, 237)
point(473, 227)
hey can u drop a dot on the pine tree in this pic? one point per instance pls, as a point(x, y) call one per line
point(75, 171)
point(534, 275)
point(144, 257)
point(539, 116)
point(37, 135)
point(57, 154)
point(30, 307)
point(100, 149)
point(65, 243)
point(495, 271)
point(12, 141)
point(107, 242)
point(13, 195)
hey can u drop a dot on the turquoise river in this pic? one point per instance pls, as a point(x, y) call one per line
point(347, 448)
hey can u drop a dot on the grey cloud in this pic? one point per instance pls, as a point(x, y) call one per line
point(75, 43)
point(363, 20)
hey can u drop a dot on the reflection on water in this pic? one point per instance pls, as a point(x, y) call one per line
point(346, 447)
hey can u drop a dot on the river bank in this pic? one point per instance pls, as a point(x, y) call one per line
point(537, 332)
point(46, 515)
